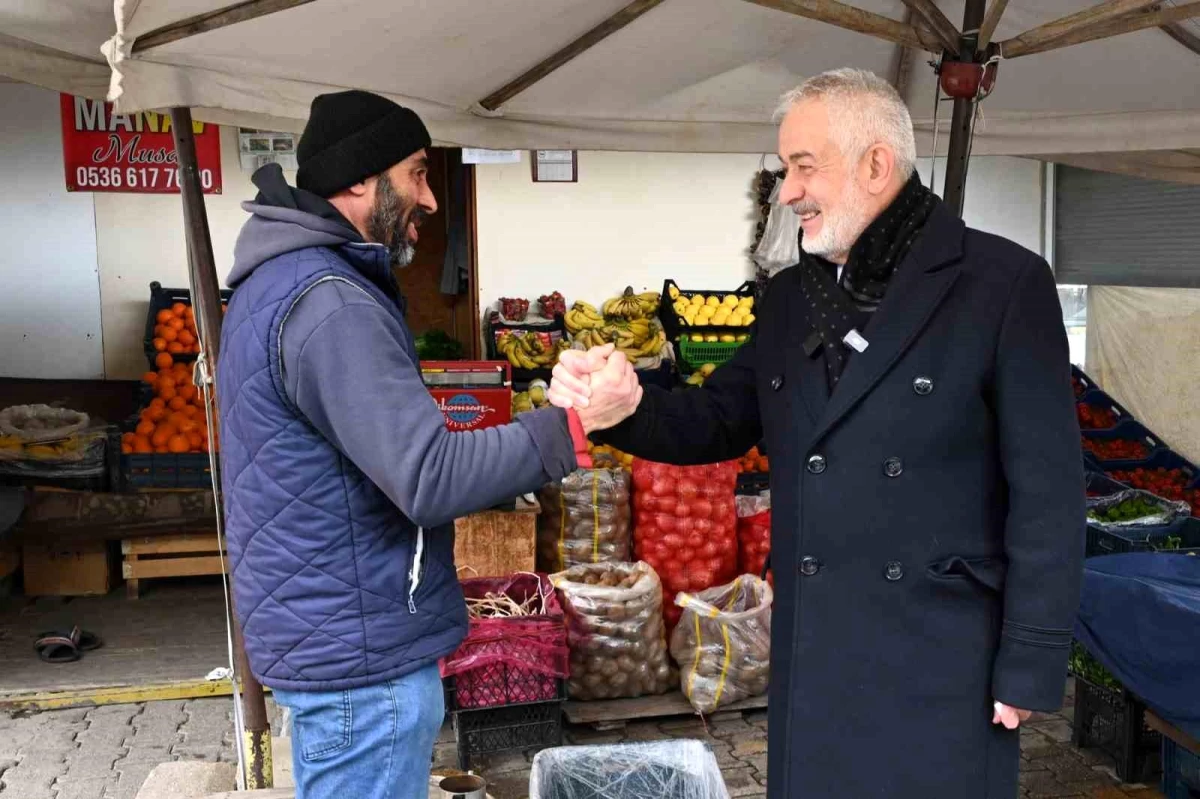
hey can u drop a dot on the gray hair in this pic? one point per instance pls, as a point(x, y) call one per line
point(865, 109)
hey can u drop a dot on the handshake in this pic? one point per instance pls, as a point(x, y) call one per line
point(599, 384)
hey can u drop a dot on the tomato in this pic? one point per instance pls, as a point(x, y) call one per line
point(702, 508)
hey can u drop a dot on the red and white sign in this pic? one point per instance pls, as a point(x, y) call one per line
point(103, 151)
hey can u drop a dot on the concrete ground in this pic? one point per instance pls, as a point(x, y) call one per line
point(106, 752)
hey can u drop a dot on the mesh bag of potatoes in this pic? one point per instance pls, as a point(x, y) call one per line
point(614, 631)
point(723, 643)
point(586, 518)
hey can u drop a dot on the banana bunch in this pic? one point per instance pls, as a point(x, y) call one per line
point(632, 306)
point(699, 310)
point(529, 352)
point(582, 316)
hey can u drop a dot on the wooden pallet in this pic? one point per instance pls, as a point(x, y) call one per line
point(609, 712)
point(182, 555)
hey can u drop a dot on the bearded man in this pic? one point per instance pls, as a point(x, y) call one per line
point(341, 481)
point(911, 380)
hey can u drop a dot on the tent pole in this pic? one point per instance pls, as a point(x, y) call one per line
point(964, 111)
point(206, 300)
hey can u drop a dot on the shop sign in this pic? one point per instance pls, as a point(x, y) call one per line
point(132, 153)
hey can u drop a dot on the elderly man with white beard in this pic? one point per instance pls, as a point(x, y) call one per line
point(910, 378)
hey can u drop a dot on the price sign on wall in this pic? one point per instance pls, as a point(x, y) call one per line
point(103, 151)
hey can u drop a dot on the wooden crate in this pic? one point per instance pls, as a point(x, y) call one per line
point(73, 569)
point(184, 555)
point(496, 543)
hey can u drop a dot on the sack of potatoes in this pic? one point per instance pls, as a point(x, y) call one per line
point(587, 517)
point(723, 643)
point(615, 631)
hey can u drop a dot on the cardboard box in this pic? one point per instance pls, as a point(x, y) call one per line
point(496, 543)
point(77, 569)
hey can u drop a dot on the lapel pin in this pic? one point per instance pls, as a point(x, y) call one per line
point(855, 341)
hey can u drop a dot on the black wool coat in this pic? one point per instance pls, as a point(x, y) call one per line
point(927, 519)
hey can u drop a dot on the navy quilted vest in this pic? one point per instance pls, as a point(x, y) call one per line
point(322, 560)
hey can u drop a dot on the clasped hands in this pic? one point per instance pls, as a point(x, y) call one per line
point(599, 384)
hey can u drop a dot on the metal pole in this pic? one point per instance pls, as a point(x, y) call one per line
point(206, 300)
point(964, 112)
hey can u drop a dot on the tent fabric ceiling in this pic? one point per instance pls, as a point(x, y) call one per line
point(688, 75)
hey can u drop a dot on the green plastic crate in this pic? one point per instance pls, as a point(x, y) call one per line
point(695, 354)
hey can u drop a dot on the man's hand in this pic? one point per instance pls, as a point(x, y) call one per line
point(600, 384)
point(1010, 717)
point(570, 386)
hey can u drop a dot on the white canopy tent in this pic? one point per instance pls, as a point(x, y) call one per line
point(679, 75)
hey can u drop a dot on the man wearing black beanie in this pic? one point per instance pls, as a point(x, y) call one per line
point(340, 480)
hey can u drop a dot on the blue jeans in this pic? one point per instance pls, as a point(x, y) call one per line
point(366, 743)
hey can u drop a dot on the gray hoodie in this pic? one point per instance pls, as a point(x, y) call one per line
point(349, 365)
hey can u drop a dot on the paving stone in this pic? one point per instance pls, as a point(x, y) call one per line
point(118, 715)
point(1035, 746)
point(131, 775)
point(500, 763)
point(1068, 768)
point(445, 755)
point(94, 788)
point(643, 731)
point(1058, 730)
point(583, 735)
point(741, 782)
point(750, 746)
point(512, 785)
point(95, 765)
point(727, 727)
point(210, 753)
point(31, 778)
point(758, 763)
point(685, 726)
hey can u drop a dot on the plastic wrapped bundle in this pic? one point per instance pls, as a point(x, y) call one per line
point(614, 631)
point(680, 769)
point(586, 518)
point(723, 643)
point(1134, 509)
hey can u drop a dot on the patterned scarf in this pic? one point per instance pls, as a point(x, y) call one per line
point(838, 308)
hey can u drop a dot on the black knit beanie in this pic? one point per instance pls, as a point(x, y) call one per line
point(353, 135)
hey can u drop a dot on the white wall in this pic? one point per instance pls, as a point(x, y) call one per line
point(632, 219)
point(49, 292)
point(637, 218)
point(1004, 196)
point(75, 265)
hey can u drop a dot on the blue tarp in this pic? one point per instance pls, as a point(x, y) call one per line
point(1140, 617)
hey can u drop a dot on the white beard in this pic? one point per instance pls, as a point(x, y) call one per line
point(840, 227)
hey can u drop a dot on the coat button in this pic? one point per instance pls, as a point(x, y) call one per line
point(776, 382)
point(817, 464)
point(809, 565)
point(923, 385)
point(894, 570)
point(893, 467)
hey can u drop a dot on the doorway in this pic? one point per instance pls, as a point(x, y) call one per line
point(441, 284)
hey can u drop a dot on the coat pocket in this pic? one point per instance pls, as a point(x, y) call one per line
point(988, 573)
point(324, 730)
